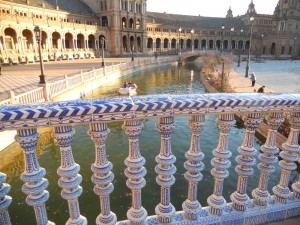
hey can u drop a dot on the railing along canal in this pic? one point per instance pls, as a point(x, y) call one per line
point(261, 207)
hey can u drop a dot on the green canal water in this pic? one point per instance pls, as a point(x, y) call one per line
point(169, 79)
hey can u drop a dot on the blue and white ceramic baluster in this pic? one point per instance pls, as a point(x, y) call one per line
point(245, 161)
point(165, 170)
point(289, 155)
point(33, 176)
point(102, 177)
point(221, 163)
point(68, 171)
point(296, 126)
point(268, 158)
point(194, 166)
point(135, 172)
point(5, 200)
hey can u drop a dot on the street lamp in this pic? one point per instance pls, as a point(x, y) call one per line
point(240, 49)
point(222, 78)
point(192, 32)
point(248, 60)
point(132, 49)
point(102, 40)
point(37, 32)
point(294, 50)
point(231, 31)
point(179, 45)
point(223, 27)
point(261, 45)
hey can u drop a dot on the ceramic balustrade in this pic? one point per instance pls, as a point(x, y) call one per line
point(98, 113)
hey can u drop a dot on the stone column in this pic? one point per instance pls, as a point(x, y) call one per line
point(220, 163)
point(245, 161)
point(289, 155)
point(5, 200)
point(68, 171)
point(33, 176)
point(194, 166)
point(165, 170)
point(135, 172)
point(102, 177)
point(268, 158)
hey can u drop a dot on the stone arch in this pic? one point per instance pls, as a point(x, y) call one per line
point(247, 45)
point(44, 39)
point(233, 43)
point(218, 44)
point(91, 41)
point(139, 43)
point(124, 24)
point(210, 44)
point(203, 44)
point(158, 43)
point(27, 39)
point(150, 43)
point(138, 24)
point(181, 43)
point(166, 43)
point(80, 41)
point(189, 44)
point(196, 44)
point(104, 21)
point(173, 43)
point(10, 36)
point(273, 48)
point(69, 41)
point(240, 44)
point(131, 23)
point(124, 43)
point(226, 44)
point(56, 40)
point(132, 40)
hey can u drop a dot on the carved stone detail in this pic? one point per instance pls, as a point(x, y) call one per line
point(165, 169)
point(69, 178)
point(220, 163)
point(289, 155)
point(268, 158)
point(194, 166)
point(135, 172)
point(33, 176)
point(245, 161)
point(5, 200)
point(102, 177)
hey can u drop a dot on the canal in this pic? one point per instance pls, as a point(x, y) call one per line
point(169, 79)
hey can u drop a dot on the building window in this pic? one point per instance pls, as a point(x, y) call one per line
point(282, 50)
point(281, 26)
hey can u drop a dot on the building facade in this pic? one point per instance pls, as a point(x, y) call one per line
point(80, 29)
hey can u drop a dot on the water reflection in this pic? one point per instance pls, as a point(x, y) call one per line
point(163, 80)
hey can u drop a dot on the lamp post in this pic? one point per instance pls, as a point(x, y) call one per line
point(192, 32)
point(261, 45)
point(240, 49)
point(222, 78)
point(37, 32)
point(249, 50)
point(179, 45)
point(132, 49)
point(231, 31)
point(102, 39)
point(223, 27)
point(294, 49)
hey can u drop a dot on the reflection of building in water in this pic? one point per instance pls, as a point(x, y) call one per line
point(73, 29)
point(12, 158)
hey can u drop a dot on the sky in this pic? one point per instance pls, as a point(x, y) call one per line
point(211, 8)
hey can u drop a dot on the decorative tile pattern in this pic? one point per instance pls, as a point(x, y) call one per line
point(121, 108)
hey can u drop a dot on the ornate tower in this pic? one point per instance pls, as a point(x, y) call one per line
point(229, 13)
point(125, 21)
point(251, 8)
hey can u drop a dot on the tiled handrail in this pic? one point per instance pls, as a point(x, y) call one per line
point(262, 208)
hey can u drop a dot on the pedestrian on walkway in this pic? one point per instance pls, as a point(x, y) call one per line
point(253, 78)
point(261, 89)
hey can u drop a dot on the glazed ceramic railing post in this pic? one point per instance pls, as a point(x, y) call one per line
point(5, 200)
point(245, 160)
point(131, 110)
point(68, 171)
point(261, 196)
point(165, 170)
point(102, 177)
point(35, 184)
point(194, 166)
point(221, 163)
point(135, 172)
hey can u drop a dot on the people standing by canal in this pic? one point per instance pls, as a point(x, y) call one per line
point(253, 78)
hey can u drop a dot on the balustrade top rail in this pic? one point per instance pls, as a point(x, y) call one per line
point(139, 107)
